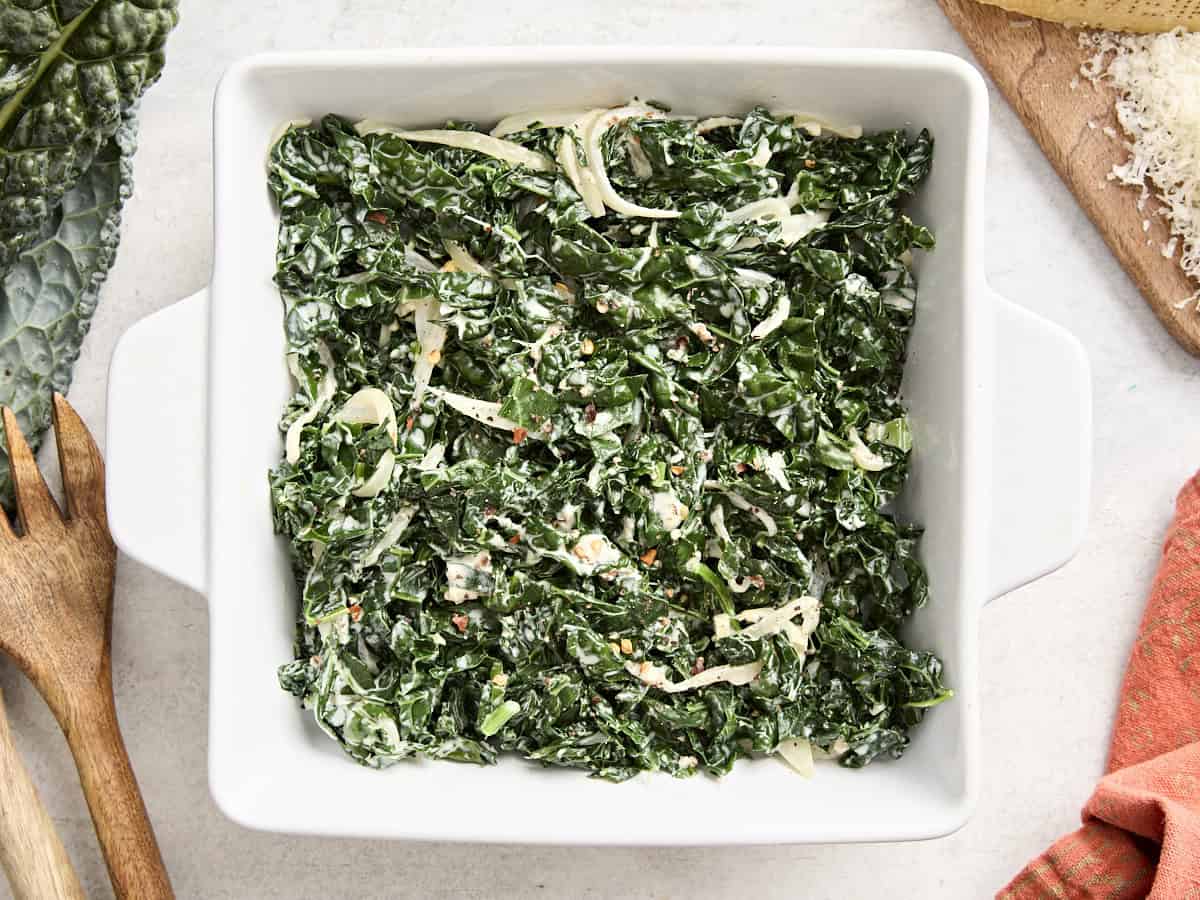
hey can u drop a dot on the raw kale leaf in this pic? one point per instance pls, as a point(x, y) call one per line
point(48, 296)
point(545, 467)
point(69, 72)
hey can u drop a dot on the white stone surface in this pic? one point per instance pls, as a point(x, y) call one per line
point(1052, 653)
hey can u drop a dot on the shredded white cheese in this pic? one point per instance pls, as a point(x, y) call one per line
point(1157, 78)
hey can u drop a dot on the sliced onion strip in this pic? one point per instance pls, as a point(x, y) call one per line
point(712, 123)
point(599, 125)
point(326, 388)
point(814, 125)
point(551, 118)
point(369, 406)
point(656, 676)
point(464, 260)
point(777, 317)
point(484, 411)
point(431, 338)
point(582, 180)
point(798, 754)
point(379, 478)
point(497, 148)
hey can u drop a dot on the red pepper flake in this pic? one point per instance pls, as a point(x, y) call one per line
point(519, 434)
point(741, 468)
point(698, 666)
point(649, 556)
point(515, 539)
point(677, 470)
point(378, 216)
point(589, 413)
point(460, 622)
point(355, 612)
point(408, 424)
point(758, 581)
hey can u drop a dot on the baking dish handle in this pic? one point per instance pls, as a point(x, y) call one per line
point(156, 444)
point(1042, 446)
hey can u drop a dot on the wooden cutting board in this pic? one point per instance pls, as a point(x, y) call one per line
point(1034, 63)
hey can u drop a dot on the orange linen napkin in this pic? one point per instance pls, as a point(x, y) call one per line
point(1141, 828)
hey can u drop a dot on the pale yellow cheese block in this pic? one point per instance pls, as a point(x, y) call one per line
point(1114, 15)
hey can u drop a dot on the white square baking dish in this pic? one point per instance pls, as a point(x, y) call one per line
point(1000, 401)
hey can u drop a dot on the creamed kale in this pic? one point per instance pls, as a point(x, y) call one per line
point(596, 437)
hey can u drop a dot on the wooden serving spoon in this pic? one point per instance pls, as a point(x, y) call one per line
point(56, 591)
point(31, 853)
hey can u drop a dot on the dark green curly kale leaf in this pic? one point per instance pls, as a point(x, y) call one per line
point(69, 72)
point(47, 298)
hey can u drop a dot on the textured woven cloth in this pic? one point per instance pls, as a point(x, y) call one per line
point(1141, 828)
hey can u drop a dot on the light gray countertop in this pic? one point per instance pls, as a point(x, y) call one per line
point(1052, 653)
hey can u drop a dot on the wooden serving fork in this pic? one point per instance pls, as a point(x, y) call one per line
point(56, 591)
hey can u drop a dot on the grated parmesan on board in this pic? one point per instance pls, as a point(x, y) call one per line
point(1157, 79)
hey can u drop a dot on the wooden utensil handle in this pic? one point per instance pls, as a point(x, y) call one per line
point(31, 853)
point(127, 840)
